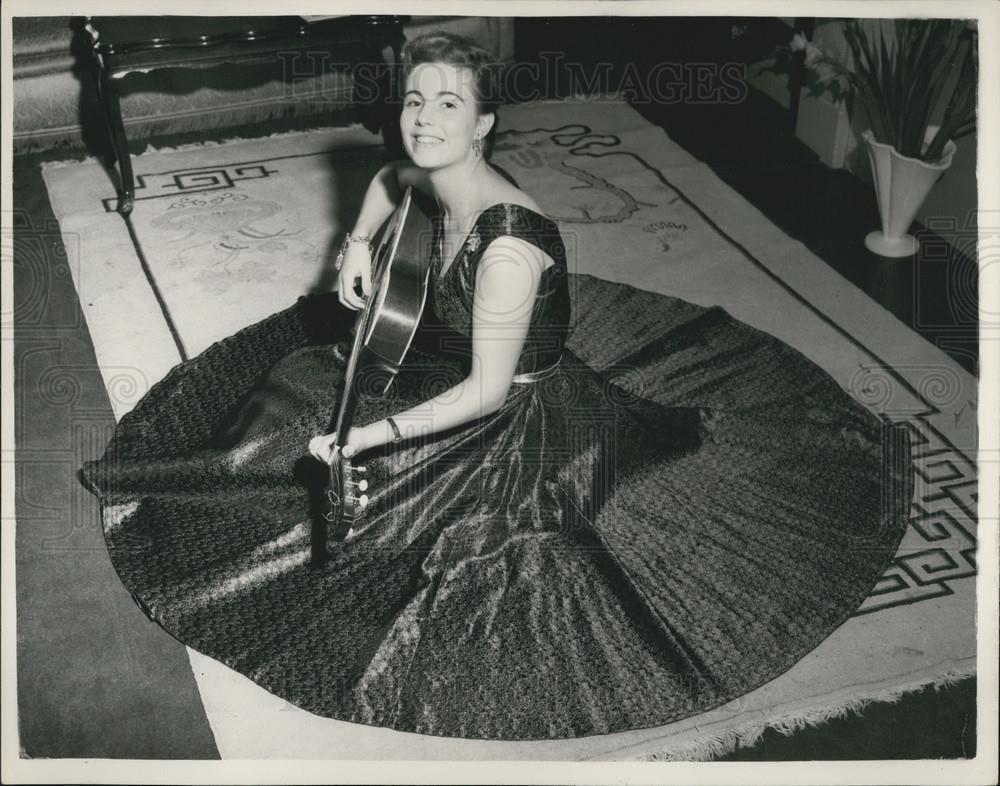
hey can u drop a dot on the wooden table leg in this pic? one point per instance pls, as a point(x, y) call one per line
point(107, 86)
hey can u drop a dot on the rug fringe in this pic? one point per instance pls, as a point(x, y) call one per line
point(352, 128)
point(81, 158)
point(712, 746)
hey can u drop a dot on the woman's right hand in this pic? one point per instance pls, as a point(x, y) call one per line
point(357, 264)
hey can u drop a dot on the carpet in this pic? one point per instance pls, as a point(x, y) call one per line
point(223, 235)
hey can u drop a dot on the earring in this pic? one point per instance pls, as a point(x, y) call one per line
point(477, 145)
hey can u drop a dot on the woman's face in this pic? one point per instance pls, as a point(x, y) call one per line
point(440, 115)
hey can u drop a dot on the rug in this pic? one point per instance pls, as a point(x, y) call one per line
point(224, 235)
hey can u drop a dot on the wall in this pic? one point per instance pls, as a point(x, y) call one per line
point(828, 130)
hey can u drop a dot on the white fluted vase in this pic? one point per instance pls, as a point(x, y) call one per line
point(901, 184)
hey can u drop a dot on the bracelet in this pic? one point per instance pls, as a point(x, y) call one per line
point(348, 239)
point(396, 435)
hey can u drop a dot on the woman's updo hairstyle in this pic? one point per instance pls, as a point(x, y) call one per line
point(458, 51)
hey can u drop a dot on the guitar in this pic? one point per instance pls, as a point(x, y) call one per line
point(383, 333)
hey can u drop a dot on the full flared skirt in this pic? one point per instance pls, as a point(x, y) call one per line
point(675, 517)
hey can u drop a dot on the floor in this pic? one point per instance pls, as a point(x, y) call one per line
point(117, 688)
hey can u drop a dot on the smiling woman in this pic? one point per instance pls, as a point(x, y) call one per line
point(550, 549)
point(478, 80)
point(449, 111)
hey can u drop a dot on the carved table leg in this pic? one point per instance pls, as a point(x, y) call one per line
point(108, 88)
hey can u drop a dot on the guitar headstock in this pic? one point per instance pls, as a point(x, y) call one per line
point(345, 495)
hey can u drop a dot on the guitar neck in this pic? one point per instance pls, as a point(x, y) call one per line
point(348, 403)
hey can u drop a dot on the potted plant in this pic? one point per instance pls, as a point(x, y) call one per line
point(900, 81)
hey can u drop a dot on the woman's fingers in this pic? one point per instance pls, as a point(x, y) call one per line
point(330, 442)
point(341, 289)
point(323, 447)
point(347, 295)
point(350, 296)
point(357, 264)
point(352, 443)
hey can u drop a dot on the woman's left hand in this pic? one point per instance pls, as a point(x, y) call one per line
point(322, 446)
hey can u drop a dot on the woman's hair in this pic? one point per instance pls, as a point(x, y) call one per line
point(438, 46)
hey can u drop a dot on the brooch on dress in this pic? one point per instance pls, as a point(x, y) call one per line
point(473, 241)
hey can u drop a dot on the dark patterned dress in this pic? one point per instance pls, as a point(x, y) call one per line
point(669, 510)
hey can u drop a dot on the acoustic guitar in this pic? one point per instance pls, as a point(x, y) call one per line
point(383, 333)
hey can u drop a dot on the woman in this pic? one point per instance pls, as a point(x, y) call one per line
point(445, 124)
point(549, 550)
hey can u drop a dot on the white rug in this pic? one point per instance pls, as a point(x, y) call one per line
point(237, 231)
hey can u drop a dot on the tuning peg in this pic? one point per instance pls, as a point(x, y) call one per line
point(359, 469)
point(361, 485)
point(361, 501)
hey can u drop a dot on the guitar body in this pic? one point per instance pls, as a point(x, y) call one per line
point(400, 276)
point(383, 334)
